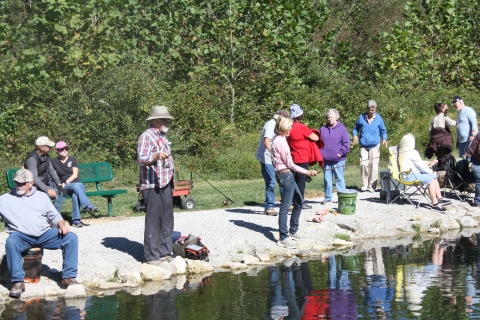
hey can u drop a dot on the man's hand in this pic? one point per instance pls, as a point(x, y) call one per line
point(52, 193)
point(355, 140)
point(160, 156)
point(62, 227)
point(385, 143)
point(62, 190)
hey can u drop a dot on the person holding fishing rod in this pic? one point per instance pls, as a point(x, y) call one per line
point(284, 168)
point(336, 146)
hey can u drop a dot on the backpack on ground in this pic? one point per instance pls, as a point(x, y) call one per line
point(191, 247)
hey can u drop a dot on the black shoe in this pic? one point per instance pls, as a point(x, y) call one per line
point(437, 207)
point(17, 290)
point(444, 202)
point(474, 204)
point(306, 206)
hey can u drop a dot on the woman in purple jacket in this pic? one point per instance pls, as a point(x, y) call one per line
point(336, 146)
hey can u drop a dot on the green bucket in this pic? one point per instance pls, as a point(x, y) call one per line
point(347, 201)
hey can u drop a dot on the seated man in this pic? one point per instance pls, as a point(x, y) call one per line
point(38, 162)
point(28, 215)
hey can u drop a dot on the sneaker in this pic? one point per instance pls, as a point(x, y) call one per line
point(91, 208)
point(69, 281)
point(158, 262)
point(306, 206)
point(77, 224)
point(325, 201)
point(474, 204)
point(297, 236)
point(270, 212)
point(370, 189)
point(84, 224)
point(444, 202)
point(17, 290)
point(437, 207)
point(287, 243)
point(363, 189)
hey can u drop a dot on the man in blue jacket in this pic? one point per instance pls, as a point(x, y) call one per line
point(467, 126)
point(371, 127)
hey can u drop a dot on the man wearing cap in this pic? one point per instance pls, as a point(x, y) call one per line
point(156, 184)
point(38, 162)
point(28, 216)
point(371, 127)
point(467, 126)
point(264, 155)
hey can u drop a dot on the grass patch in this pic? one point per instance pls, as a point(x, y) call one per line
point(436, 224)
point(401, 230)
point(416, 227)
point(342, 236)
point(114, 278)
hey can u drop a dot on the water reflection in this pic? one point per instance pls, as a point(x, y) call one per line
point(429, 279)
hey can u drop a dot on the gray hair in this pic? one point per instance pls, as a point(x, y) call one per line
point(371, 104)
point(334, 111)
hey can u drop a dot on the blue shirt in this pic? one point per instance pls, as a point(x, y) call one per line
point(370, 133)
point(466, 123)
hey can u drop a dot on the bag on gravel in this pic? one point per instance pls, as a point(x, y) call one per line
point(191, 247)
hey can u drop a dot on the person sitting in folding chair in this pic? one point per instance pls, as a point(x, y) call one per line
point(409, 160)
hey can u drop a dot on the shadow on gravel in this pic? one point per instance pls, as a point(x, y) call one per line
point(245, 211)
point(133, 248)
point(266, 231)
point(397, 202)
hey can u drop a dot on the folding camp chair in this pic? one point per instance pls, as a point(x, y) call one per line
point(410, 188)
point(458, 179)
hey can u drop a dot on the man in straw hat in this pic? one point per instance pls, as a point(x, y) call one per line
point(156, 184)
point(28, 216)
point(38, 162)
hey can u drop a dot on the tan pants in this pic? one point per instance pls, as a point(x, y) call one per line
point(369, 159)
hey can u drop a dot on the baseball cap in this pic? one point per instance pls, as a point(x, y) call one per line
point(456, 99)
point(23, 175)
point(61, 144)
point(44, 141)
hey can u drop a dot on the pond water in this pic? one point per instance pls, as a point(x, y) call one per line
point(429, 280)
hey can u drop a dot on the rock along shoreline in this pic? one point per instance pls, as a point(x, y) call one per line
point(240, 240)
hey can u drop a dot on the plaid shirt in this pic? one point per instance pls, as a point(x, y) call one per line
point(160, 173)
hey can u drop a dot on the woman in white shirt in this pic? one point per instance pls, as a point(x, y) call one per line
point(284, 168)
point(409, 159)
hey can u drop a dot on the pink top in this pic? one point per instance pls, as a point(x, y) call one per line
point(282, 159)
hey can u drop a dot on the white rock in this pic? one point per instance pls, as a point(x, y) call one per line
point(75, 291)
point(198, 266)
point(180, 265)
point(342, 243)
point(468, 222)
point(153, 273)
point(249, 259)
point(263, 256)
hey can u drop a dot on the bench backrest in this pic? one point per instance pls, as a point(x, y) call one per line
point(88, 172)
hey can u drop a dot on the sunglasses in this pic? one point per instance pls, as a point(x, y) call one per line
point(60, 150)
point(20, 184)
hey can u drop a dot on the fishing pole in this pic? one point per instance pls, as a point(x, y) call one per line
point(225, 202)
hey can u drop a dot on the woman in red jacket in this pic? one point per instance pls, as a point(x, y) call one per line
point(299, 141)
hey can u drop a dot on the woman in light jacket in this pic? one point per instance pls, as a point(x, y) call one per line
point(284, 168)
point(409, 159)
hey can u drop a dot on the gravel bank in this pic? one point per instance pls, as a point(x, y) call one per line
point(110, 244)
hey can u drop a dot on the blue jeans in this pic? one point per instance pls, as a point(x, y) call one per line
point(268, 174)
point(18, 242)
point(337, 169)
point(463, 147)
point(59, 200)
point(79, 199)
point(476, 173)
point(290, 193)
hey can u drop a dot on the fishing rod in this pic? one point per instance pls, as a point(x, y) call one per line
point(224, 202)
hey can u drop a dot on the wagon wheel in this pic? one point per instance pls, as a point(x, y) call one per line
point(188, 203)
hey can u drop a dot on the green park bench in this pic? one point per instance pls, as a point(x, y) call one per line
point(89, 173)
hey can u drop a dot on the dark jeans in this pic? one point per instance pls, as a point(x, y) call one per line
point(157, 240)
point(476, 173)
point(300, 178)
point(289, 193)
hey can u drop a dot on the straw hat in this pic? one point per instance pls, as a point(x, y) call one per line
point(160, 112)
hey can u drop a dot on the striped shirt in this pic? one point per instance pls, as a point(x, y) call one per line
point(160, 173)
